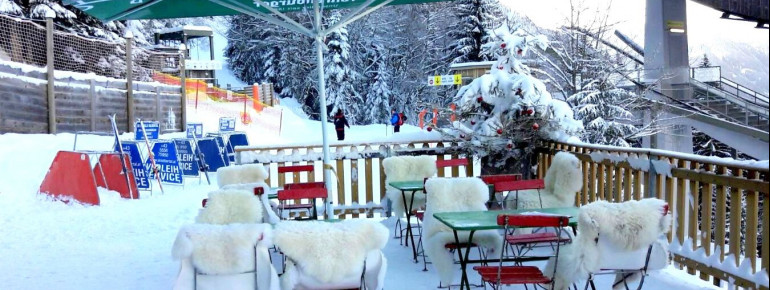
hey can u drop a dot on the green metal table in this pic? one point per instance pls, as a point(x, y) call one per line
point(414, 187)
point(487, 220)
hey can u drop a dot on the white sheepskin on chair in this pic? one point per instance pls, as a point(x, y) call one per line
point(270, 209)
point(330, 252)
point(407, 168)
point(231, 206)
point(562, 181)
point(609, 230)
point(451, 195)
point(246, 173)
point(221, 254)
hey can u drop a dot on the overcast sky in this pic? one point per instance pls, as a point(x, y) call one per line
point(704, 23)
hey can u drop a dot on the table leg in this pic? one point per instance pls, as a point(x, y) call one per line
point(463, 259)
point(409, 234)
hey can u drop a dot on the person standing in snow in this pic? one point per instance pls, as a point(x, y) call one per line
point(397, 119)
point(339, 124)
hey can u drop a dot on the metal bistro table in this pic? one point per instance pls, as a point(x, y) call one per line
point(414, 187)
point(487, 220)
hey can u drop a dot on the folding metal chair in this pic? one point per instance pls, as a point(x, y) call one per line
point(298, 194)
point(517, 274)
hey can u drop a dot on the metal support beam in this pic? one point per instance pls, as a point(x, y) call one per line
point(49, 56)
point(283, 16)
point(257, 14)
point(322, 96)
point(356, 17)
point(349, 15)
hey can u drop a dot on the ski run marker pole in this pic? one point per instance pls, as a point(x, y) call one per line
point(122, 157)
point(155, 170)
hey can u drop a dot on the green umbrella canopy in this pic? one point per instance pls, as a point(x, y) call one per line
point(161, 9)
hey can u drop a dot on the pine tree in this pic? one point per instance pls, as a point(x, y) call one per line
point(475, 19)
point(10, 7)
point(503, 112)
point(340, 78)
point(378, 95)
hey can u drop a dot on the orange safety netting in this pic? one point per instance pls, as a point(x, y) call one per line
point(213, 93)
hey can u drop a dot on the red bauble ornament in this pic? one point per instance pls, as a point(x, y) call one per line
point(430, 129)
point(479, 99)
point(518, 92)
point(535, 126)
point(530, 111)
point(502, 45)
point(500, 131)
point(473, 122)
point(500, 67)
point(510, 145)
point(462, 136)
point(519, 51)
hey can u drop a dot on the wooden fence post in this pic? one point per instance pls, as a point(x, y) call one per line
point(129, 81)
point(49, 15)
point(92, 97)
point(183, 83)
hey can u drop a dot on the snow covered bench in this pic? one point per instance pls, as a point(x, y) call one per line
point(224, 257)
point(332, 255)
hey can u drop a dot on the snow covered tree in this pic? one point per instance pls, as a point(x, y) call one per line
point(503, 113)
point(340, 78)
point(378, 95)
point(587, 73)
point(475, 18)
point(10, 7)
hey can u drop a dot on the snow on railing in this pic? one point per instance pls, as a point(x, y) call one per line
point(720, 242)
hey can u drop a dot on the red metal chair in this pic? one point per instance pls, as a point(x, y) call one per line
point(499, 275)
point(299, 194)
point(518, 185)
point(452, 162)
point(493, 180)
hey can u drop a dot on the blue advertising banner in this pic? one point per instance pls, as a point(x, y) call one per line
point(194, 128)
point(153, 130)
point(236, 139)
point(137, 164)
point(226, 124)
point(167, 162)
point(222, 149)
point(187, 160)
point(211, 154)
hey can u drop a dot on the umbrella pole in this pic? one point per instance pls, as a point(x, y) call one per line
point(322, 96)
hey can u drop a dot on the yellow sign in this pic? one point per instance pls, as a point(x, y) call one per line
point(445, 80)
point(671, 24)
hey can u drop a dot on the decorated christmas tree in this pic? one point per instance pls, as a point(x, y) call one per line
point(504, 114)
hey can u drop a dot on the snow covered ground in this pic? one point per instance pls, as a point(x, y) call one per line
point(126, 244)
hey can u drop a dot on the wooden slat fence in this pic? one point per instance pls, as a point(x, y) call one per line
point(720, 206)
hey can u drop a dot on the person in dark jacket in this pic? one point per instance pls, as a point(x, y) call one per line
point(339, 124)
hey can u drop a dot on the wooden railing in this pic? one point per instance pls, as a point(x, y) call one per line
point(687, 182)
point(698, 190)
point(358, 168)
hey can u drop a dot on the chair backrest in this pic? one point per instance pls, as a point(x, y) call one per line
point(239, 174)
point(452, 162)
point(456, 194)
point(519, 185)
point(408, 168)
point(220, 249)
point(295, 168)
point(304, 185)
point(231, 206)
point(494, 179)
point(288, 194)
point(532, 220)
